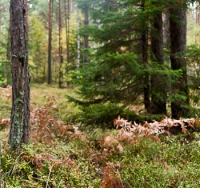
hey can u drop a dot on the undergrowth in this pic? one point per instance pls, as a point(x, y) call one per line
point(60, 155)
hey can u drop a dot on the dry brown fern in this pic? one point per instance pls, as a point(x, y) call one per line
point(111, 177)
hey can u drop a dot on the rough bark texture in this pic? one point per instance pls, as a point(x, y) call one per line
point(67, 15)
point(157, 81)
point(49, 42)
point(179, 107)
point(60, 47)
point(20, 113)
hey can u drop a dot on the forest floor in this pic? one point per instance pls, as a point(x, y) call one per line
point(60, 155)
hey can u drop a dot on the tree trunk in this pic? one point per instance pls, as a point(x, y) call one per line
point(68, 25)
point(66, 3)
point(85, 41)
point(179, 106)
point(158, 98)
point(78, 41)
point(60, 47)
point(50, 42)
point(20, 112)
point(0, 22)
point(144, 52)
point(166, 32)
point(146, 78)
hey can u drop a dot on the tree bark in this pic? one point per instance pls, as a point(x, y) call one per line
point(166, 32)
point(158, 98)
point(68, 25)
point(144, 52)
point(85, 40)
point(78, 41)
point(20, 112)
point(179, 106)
point(60, 47)
point(67, 14)
point(49, 79)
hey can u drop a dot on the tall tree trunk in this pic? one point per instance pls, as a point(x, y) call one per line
point(85, 40)
point(144, 44)
point(144, 52)
point(166, 32)
point(60, 47)
point(20, 112)
point(179, 106)
point(0, 22)
point(158, 98)
point(68, 19)
point(66, 24)
point(78, 41)
point(49, 79)
point(66, 2)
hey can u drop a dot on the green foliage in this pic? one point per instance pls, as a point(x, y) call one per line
point(107, 78)
point(38, 47)
point(117, 72)
point(5, 65)
point(193, 56)
point(101, 114)
point(4, 62)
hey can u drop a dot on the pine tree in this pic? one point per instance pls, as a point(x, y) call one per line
point(20, 113)
point(60, 44)
point(50, 41)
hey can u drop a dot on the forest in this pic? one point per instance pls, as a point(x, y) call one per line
point(99, 93)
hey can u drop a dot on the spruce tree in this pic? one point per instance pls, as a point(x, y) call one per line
point(125, 67)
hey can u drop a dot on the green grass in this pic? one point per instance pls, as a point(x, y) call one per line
point(80, 163)
point(5, 107)
point(42, 94)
